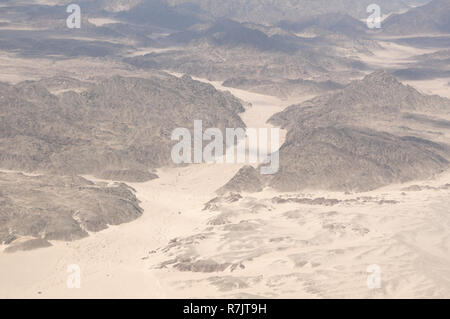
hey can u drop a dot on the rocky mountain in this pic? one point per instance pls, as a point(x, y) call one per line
point(362, 137)
point(37, 209)
point(283, 71)
point(346, 158)
point(118, 128)
point(38, 44)
point(374, 132)
point(431, 18)
point(282, 88)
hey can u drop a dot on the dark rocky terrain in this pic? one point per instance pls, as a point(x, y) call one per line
point(118, 128)
point(78, 105)
point(67, 208)
point(346, 158)
point(280, 73)
point(374, 132)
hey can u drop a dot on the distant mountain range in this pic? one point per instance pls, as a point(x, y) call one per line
point(369, 134)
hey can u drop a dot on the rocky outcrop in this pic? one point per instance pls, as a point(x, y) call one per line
point(60, 208)
point(118, 128)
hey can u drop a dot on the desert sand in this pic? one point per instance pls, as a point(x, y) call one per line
point(393, 55)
